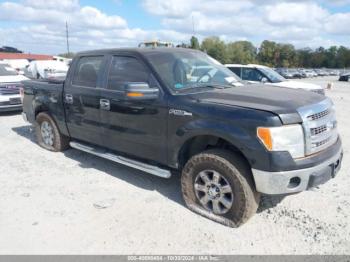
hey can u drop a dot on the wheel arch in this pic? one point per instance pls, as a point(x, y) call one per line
point(200, 143)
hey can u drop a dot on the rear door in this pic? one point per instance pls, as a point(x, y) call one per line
point(81, 98)
point(237, 71)
point(134, 127)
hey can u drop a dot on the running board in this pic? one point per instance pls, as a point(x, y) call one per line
point(154, 170)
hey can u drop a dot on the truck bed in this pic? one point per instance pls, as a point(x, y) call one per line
point(44, 95)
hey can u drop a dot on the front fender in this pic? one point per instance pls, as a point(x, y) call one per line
point(238, 135)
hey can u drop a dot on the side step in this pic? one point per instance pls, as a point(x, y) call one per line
point(154, 170)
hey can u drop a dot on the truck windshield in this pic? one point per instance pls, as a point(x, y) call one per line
point(191, 69)
point(273, 76)
point(6, 70)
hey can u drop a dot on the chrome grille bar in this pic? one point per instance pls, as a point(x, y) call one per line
point(319, 124)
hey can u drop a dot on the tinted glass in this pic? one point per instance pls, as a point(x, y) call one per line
point(181, 70)
point(236, 70)
point(127, 70)
point(87, 71)
point(6, 70)
point(272, 75)
point(251, 74)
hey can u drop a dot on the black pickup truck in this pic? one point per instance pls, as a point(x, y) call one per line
point(165, 110)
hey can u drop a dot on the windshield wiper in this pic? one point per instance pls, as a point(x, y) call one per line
point(209, 85)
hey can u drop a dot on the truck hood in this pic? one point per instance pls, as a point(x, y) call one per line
point(283, 102)
point(12, 79)
point(297, 85)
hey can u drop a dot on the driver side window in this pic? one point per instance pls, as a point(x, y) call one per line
point(127, 70)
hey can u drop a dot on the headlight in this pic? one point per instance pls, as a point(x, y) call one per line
point(284, 138)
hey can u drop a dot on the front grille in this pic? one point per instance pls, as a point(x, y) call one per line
point(321, 143)
point(318, 130)
point(320, 126)
point(319, 91)
point(318, 115)
point(9, 88)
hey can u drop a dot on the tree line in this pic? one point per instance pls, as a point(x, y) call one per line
point(273, 54)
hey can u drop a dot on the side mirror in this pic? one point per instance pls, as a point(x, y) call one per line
point(140, 91)
point(264, 80)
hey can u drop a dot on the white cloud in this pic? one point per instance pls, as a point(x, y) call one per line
point(43, 27)
point(302, 14)
point(41, 23)
point(298, 21)
point(338, 24)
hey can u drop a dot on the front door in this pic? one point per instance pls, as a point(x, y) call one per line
point(134, 127)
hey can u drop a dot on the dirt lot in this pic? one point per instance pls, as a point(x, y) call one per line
point(50, 203)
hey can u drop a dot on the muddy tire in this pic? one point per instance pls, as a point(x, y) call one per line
point(48, 134)
point(218, 185)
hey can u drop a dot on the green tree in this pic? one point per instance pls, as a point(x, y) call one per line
point(269, 53)
point(194, 43)
point(343, 57)
point(304, 57)
point(241, 52)
point(287, 56)
point(216, 48)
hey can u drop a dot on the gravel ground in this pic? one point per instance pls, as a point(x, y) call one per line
point(76, 203)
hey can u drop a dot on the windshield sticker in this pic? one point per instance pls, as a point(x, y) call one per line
point(9, 69)
point(178, 86)
point(230, 79)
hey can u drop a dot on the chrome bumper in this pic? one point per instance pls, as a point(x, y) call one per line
point(10, 108)
point(287, 182)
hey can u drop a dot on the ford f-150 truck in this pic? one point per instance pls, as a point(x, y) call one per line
point(144, 108)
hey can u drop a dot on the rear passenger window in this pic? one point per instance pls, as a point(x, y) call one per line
point(127, 70)
point(87, 71)
point(236, 70)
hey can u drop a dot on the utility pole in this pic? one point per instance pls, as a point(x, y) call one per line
point(193, 33)
point(67, 37)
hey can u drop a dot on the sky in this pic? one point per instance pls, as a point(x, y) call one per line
point(38, 26)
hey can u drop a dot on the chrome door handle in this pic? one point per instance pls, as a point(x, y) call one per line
point(68, 99)
point(105, 104)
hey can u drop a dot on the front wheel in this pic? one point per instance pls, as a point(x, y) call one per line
point(48, 134)
point(218, 185)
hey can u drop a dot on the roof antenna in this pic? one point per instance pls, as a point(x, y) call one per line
point(193, 32)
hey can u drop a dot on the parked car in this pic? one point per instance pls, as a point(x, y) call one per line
point(302, 73)
point(344, 77)
point(320, 72)
point(47, 69)
point(18, 64)
point(10, 84)
point(284, 72)
point(295, 73)
point(138, 107)
point(155, 43)
point(258, 73)
point(334, 72)
point(308, 73)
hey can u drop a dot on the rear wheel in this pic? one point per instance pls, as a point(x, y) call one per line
point(48, 134)
point(218, 185)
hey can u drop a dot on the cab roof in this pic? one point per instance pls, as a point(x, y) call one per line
point(247, 66)
point(142, 50)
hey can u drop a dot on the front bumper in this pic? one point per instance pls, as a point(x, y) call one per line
point(10, 103)
point(293, 181)
point(9, 108)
